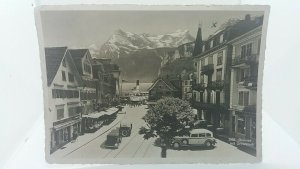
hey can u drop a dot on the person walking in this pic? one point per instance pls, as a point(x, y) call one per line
point(75, 136)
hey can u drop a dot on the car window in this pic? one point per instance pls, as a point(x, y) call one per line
point(194, 135)
point(202, 135)
point(208, 135)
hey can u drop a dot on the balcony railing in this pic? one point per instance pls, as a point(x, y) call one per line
point(216, 85)
point(198, 86)
point(250, 81)
point(210, 106)
point(247, 60)
point(207, 69)
point(249, 110)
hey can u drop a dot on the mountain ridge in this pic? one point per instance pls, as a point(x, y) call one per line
point(141, 56)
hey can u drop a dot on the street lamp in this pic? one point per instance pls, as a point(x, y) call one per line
point(116, 75)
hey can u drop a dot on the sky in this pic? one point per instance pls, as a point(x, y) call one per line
point(80, 29)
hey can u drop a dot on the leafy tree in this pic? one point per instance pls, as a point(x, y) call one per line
point(167, 119)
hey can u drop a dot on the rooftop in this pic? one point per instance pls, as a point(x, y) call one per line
point(54, 57)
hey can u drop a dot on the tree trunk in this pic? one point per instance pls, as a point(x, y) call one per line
point(163, 152)
point(164, 146)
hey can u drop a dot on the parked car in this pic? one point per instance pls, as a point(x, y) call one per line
point(197, 137)
point(125, 129)
point(113, 139)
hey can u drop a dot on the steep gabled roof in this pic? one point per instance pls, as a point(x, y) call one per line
point(77, 55)
point(166, 81)
point(54, 57)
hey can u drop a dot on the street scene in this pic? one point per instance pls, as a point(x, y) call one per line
point(122, 88)
point(135, 146)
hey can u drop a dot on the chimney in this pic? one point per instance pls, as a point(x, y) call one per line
point(198, 42)
point(137, 85)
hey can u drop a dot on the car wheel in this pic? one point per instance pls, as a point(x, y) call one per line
point(176, 145)
point(185, 142)
point(208, 144)
point(124, 133)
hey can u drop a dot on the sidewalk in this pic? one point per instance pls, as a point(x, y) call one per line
point(84, 139)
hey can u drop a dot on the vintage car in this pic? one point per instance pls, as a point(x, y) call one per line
point(125, 129)
point(113, 139)
point(197, 137)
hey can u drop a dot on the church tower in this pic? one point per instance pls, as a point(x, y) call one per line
point(198, 42)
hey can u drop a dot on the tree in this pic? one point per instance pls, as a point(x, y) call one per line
point(167, 119)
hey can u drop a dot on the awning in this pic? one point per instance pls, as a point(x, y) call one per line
point(93, 115)
point(63, 125)
point(96, 115)
point(110, 111)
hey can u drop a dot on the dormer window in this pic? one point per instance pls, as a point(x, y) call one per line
point(211, 43)
point(63, 75)
point(71, 77)
point(221, 38)
point(87, 68)
point(203, 48)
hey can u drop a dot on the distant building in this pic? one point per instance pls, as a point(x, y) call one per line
point(186, 83)
point(64, 109)
point(186, 50)
point(108, 75)
point(163, 87)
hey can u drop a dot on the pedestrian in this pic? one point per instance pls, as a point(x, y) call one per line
point(75, 136)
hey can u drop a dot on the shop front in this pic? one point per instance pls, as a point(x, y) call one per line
point(63, 132)
point(245, 129)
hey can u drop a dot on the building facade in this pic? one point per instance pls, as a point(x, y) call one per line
point(211, 87)
point(244, 72)
point(163, 88)
point(64, 108)
point(215, 60)
point(108, 75)
point(186, 83)
point(83, 62)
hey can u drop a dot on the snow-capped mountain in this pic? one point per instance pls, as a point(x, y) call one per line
point(141, 56)
point(122, 42)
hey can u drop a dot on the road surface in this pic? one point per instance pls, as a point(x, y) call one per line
point(136, 147)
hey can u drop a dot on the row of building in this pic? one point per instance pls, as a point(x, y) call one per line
point(79, 88)
point(226, 78)
point(223, 87)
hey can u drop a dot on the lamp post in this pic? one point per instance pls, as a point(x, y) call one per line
point(116, 75)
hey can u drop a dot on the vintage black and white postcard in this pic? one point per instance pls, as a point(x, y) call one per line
point(152, 84)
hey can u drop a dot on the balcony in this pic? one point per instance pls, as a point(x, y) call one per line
point(198, 86)
point(249, 110)
point(239, 61)
point(207, 69)
point(214, 107)
point(216, 85)
point(250, 82)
